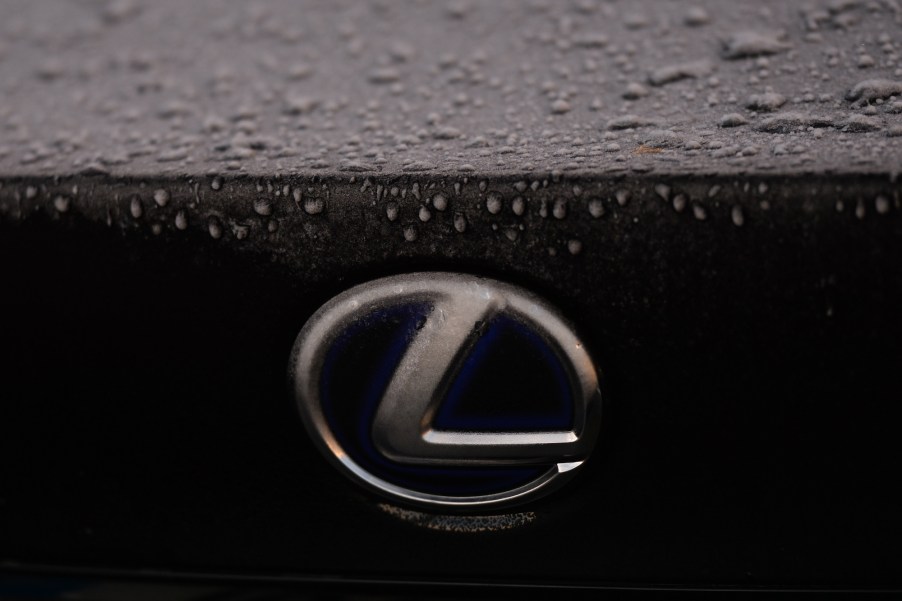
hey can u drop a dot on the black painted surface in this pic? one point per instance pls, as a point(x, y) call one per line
point(750, 434)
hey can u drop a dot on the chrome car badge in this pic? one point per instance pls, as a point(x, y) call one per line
point(447, 390)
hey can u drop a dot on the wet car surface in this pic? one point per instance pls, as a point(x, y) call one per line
point(709, 193)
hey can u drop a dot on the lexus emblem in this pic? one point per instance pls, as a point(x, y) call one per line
point(448, 390)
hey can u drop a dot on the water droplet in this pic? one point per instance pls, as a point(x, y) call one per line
point(410, 233)
point(92, 169)
point(560, 209)
point(518, 205)
point(634, 91)
point(216, 184)
point(560, 106)
point(300, 105)
point(181, 220)
point(418, 166)
point(857, 124)
point(635, 20)
point(50, 69)
point(543, 209)
point(696, 16)
point(425, 214)
point(732, 120)
point(391, 210)
point(671, 73)
point(440, 202)
point(574, 247)
point(493, 203)
point(744, 44)
point(384, 75)
point(679, 202)
point(788, 122)
point(61, 203)
point(263, 206)
point(768, 101)
point(447, 133)
point(161, 197)
point(622, 196)
point(241, 231)
point(872, 89)
point(215, 228)
point(663, 190)
point(592, 40)
point(172, 155)
point(881, 203)
point(596, 208)
point(699, 212)
point(737, 216)
point(313, 206)
point(298, 71)
point(629, 121)
point(136, 208)
point(460, 222)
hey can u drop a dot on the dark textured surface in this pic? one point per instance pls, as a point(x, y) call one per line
point(283, 87)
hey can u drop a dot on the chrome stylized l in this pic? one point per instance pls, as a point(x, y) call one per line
point(403, 429)
point(393, 445)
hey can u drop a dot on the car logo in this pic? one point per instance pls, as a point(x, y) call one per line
point(449, 390)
